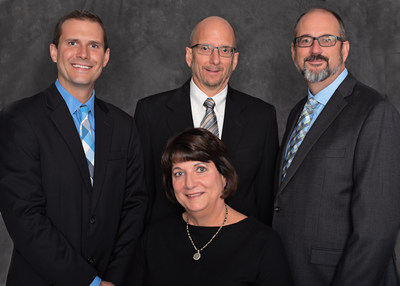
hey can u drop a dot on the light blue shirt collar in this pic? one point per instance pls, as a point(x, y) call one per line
point(73, 103)
point(324, 95)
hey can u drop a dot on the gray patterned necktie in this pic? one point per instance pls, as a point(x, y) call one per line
point(209, 121)
point(299, 133)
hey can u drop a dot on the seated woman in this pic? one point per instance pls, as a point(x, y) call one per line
point(210, 243)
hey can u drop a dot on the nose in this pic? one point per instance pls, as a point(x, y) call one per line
point(83, 52)
point(316, 48)
point(215, 57)
point(189, 181)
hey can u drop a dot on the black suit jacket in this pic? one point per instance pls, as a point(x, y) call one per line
point(249, 131)
point(338, 208)
point(64, 231)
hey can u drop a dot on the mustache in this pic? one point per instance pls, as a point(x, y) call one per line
point(316, 57)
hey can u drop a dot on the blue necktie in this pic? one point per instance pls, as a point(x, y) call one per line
point(299, 133)
point(209, 121)
point(87, 139)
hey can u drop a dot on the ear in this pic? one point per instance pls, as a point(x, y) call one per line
point(292, 51)
point(189, 56)
point(235, 60)
point(106, 57)
point(223, 181)
point(345, 50)
point(53, 52)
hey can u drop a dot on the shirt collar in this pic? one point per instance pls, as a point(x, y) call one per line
point(197, 96)
point(324, 95)
point(73, 103)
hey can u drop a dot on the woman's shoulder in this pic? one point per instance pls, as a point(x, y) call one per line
point(251, 226)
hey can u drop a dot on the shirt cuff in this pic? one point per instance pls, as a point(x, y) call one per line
point(96, 281)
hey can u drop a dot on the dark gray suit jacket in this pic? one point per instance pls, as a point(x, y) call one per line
point(250, 133)
point(338, 209)
point(64, 231)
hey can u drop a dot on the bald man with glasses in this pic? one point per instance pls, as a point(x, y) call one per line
point(247, 125)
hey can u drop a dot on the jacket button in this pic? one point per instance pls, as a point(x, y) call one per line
point(91, 260)
point(92, 220)
point(277, 209)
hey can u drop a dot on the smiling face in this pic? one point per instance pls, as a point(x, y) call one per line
point(320, 65)
point(211, 73)
point(198, 186)
point(80, 55)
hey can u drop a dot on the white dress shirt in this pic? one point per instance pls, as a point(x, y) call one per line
point(197, 98)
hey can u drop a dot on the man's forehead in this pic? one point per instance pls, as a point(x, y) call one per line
point(214, 28)
point(77, 27)
point(318, 22)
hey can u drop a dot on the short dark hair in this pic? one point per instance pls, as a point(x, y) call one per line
point(342, 28)
point(79, 15)
point(198, 144)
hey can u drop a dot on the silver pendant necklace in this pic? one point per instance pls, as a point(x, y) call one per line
point(197, 255)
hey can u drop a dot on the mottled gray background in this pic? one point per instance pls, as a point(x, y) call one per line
point(148, 39)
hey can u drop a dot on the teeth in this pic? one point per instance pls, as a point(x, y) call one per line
point(194, 195)
point(80, 66)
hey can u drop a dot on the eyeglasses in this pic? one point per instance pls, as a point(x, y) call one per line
point(207, 49)
point(323, 41)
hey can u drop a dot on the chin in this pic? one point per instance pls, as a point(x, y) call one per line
point(195, 208)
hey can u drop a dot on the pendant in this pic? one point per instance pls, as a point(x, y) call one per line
point(197, 255)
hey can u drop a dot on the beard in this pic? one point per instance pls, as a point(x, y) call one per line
point(318, 76)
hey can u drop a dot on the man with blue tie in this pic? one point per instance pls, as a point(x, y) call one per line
point(336, 195)
point(71, 176)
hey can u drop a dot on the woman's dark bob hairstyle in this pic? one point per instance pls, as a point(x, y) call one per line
point(198, 144)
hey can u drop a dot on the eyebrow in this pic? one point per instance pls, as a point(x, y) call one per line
point(90, 42)
point(198, 163)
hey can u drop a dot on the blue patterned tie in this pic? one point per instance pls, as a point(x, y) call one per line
point(209, 121)
point(87, 139)
point(299, 133)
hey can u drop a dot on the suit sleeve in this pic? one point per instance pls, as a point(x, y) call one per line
point(23, 207)
point(265, 175)
point(375, 200)
point(142, 123)
point(132, 215)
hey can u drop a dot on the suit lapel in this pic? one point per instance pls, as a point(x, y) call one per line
point(233, 120)
point(63, 121)
point(181, 116)
point(104, 128)
point(333, 108)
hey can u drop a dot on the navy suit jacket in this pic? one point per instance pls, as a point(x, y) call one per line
point(64, 231)
point(249, 132)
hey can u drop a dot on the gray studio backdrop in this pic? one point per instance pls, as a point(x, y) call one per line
point(148, 39)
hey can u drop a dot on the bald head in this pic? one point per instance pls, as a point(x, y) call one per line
point(213, 24)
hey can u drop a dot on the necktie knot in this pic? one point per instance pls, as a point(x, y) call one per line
point(311, 104)
point(84, 111)
point(209, 103)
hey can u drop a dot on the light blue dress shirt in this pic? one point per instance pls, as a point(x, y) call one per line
point(322, 97)
point(73, 106)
